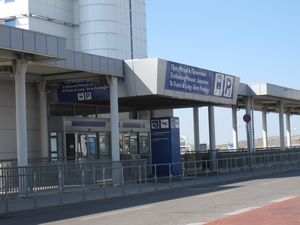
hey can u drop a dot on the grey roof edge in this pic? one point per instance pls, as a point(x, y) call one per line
point(85, 62)
point(245, 90)
point(52, 51)
point(48, 47)
point(275, 90)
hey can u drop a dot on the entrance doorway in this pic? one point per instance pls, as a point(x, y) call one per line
point(82, 145)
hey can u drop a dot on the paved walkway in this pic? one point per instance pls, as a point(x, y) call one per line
point(281, 213)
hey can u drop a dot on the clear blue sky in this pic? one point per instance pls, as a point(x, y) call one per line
point(257, 40)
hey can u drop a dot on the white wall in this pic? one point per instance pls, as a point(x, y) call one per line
point(16, 9)
point(101, 27)
point(59, 10)
point(104, 28)
point(8, 148)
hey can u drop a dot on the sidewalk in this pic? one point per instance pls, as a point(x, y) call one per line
point(42, 200)
point(286, 212)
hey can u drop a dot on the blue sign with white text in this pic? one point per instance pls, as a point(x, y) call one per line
point(194, 80)
point(83, 90)
point(165, 145)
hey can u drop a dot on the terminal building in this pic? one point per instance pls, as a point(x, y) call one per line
point(76, 83)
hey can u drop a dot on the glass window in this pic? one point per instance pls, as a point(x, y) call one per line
point(8, 1)
point(144, 143)
point(92, 145)
point(104, 145)
point(55, 145)
point(133, 143)
point(11, 23)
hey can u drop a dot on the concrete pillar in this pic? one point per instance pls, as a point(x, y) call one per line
point(281, 126)
point(43, 119)
point(196, 129)
point(212, 136)
point(20, 68)
point(235, 139)
point(114, 112)
point(288, 130)
point(249, 128)
point(265, 127)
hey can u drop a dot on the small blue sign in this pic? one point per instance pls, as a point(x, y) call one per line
point(184, 78)
point(247, 118)
point(83, 90)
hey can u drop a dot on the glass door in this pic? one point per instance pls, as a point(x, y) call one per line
point(129, 146)
point(87, 145)
point(92, 150)
point(104, 146)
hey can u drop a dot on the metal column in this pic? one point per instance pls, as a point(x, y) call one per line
point(43, 119)
point(117, 172)
point(265, 127)
point(196, 129)
point(249, 126)
point(114, 113)
point(288, 129)
point(20, 67)
point(281, 126)
point(235, 139)
point(212, 136)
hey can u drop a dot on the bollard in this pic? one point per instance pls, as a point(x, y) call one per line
point(155, 177)
point(94, 174)
point(183, 174)
point(140, 180)
point(145, 173)
point(122, 181)
point(83, 185)
point(6, 197)
point(103, 183)
point(34, 191)
point(60, 187)
point(195, 169)
point(227, 167)
point(170, 176)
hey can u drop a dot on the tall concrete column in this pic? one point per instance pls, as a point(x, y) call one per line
point(212, 136)
point(196, 129)
point(288, 129)
point(235, 139)
point(43, 119)
point(20, 68)
point(249, 128)
point(114, 113)
point(265, 127)
point(281, 126)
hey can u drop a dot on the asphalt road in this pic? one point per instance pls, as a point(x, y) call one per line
point(185, 206)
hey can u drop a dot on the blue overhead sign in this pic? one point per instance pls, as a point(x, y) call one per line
point(188, 79)
point(83, 90)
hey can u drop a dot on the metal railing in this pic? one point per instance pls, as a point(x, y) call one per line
point(67, 177)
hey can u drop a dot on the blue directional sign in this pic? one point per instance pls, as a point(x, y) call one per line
point(83, 90)
point(184, 78)
point(165, 145)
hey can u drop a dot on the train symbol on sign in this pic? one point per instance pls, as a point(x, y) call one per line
point(155, 124)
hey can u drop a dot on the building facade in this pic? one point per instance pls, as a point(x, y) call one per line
point(112, 28)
